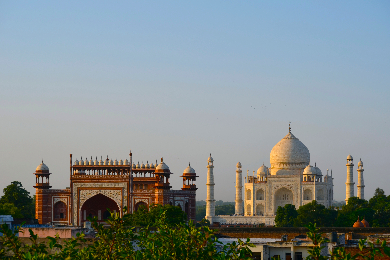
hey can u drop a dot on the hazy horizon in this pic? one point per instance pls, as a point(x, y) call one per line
point(181, 80)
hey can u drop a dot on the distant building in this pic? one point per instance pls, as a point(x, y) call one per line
point(98, 185)
point(290, 180)
point(6, 219)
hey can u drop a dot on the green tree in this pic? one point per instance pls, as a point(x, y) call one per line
point(10, 209)
point(315, 213)
point(119, 240)
point(356, 208)
point(20, 197)
point(200, 212)
point(380, 204)
point(142, 217)
point(285, 216)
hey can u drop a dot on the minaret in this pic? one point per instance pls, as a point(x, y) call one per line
point(349, 184)
point(360, 186)
point(210, 202)
point(238, 189)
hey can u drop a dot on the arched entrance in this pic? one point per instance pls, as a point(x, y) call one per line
point(59, 211)
point(97, 206)
point(282, 197)
point(141, 204)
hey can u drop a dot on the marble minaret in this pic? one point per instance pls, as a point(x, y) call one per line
point(349, 184)
point(210, 202)
point(360, 186)
point(239, 190)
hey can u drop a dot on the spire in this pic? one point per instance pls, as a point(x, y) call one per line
point(289, 127)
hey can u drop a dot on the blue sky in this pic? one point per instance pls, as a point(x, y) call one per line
point(182, 79)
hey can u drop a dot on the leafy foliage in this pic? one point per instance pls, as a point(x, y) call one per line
point(315, 213)
point(10, 209)
point(376, 211)
point(18, 196)
point(142, 217)
point(368, 250)
point(163, 240)
point(285, 216)
point(221, 208)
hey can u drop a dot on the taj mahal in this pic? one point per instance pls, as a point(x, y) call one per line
point(290, 180)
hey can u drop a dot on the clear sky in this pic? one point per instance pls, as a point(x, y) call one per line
point(181, 79)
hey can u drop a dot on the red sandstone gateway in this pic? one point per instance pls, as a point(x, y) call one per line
point(96, 186)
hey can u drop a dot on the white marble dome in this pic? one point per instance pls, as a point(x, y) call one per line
point(262, 171)
point(310, 170)
point(162, 166)
point(189, 169)
point(289, 153)
point(42, 167)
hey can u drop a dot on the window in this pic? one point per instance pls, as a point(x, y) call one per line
point(61, 215)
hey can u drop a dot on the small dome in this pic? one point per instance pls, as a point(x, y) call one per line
point(289, 153)
point(189, 169)
point(134, 166)
point(358, 224)
point(210, 159)
point(151, 165)
point(349, 157)
point(360, 163)
point(120, 162)
point(238, 165)
point(262, 171)
point(81, 162)
point(126, 162)
point(162, 166)
point(42, 167)
point(310, 170)
point(365, 223)
point(106, 162)
point(147, 166)
point(76, 162)
point(96, 162)
point(116, 162)
point(142, 166)
point(101, 162)
point(111, 162)
point(86, 162)
point(91, 161)
point(318, 171)
point(138, 166)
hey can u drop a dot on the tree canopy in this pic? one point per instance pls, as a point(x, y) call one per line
point(144, 217)
point(285, 216)
point(16, 195)
point(119, 240)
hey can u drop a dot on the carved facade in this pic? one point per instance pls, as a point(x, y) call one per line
point(290, 180)
point(97, 187)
